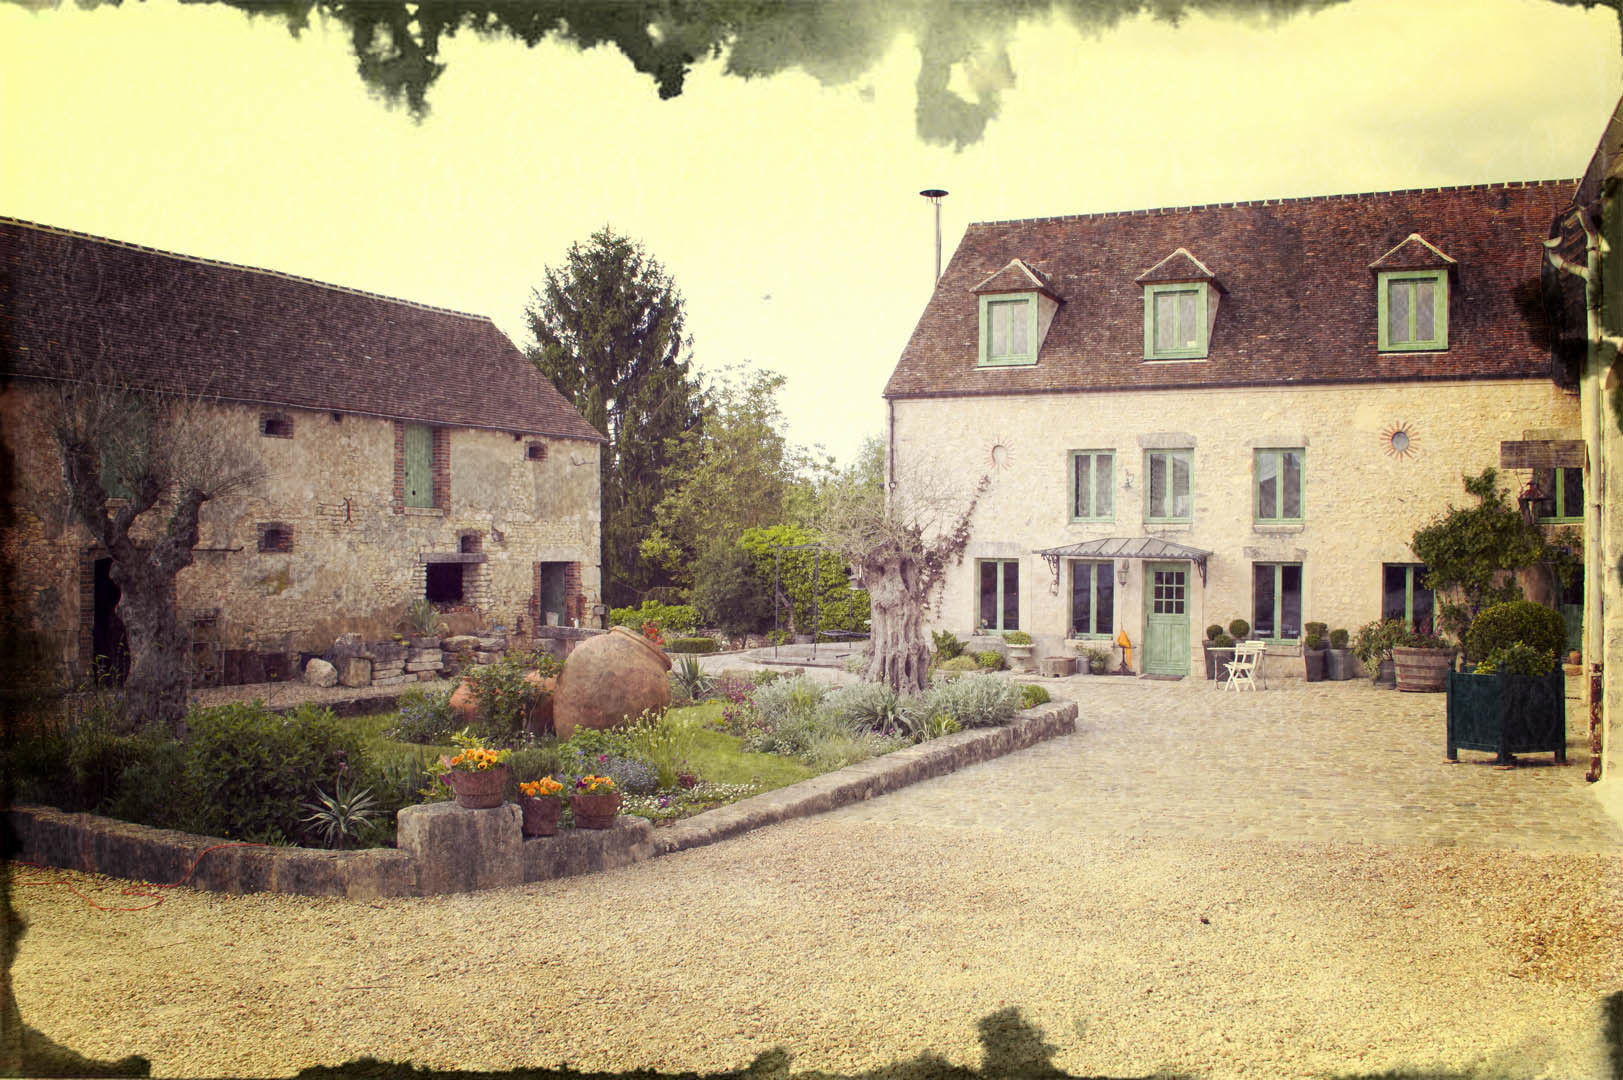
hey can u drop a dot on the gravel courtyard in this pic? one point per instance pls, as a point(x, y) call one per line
point(1285, 884)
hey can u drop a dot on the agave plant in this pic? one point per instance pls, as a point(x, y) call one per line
point(690, 676)
point(341, 815)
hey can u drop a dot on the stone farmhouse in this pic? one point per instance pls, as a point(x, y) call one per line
point(408, 452)
point(1241, 410)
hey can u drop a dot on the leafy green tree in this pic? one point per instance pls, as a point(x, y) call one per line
point(728, 593)
point(813, 583)
point(734, 472)
point(608, 326)
point(1474, 551)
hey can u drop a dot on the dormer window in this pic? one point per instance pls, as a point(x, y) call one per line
point(1414, 310)
point(1016, 308)
point(1180, 307)
point(1008, 329)
point(1175, 321)
point(1411, 284)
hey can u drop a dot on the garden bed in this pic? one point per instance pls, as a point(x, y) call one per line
point(93, 844)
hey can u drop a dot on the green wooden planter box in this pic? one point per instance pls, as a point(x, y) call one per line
point(1507, 714)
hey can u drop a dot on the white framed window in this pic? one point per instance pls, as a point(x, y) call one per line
point(1093, 478)
point(1169, 485)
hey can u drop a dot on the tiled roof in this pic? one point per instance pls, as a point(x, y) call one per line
point(1015, 277)
point(262, 337)
point(1179, 266)
point(1300, 303)
point(1415, 253)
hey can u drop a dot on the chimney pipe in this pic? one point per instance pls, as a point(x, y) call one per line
point(935, 195)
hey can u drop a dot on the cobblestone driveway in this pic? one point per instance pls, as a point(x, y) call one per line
point(1298, 761)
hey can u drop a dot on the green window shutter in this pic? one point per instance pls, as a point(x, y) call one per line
point(419, 455)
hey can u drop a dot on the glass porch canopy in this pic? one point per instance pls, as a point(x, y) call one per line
point(1151, 548)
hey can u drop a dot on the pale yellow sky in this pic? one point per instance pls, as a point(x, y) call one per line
point(787, 211)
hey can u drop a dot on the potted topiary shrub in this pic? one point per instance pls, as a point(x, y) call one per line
point(1339, 662)
point(1098, 661)
point(1219, 657)
point(1314, 648)
point(1514, 701)
point(1240, 630)
point(1020, 649)
point(1213, 632)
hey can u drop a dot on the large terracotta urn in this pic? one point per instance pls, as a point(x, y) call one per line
point(609, 679)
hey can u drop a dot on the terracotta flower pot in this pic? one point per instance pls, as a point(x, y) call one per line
point(540, 815)
point(595, 811)
point(478, 790)
point(609, 679)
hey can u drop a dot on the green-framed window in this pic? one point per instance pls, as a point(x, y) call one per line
point(1414, 310)
point(1093, 599)
point(1175, 321)
point(999, 593)
point(1563, 494)
point(1276, 601)
point(1405, 596)
point(1277, 494)
point(1168, 485)
point(1008, 329)
point(1093, 478)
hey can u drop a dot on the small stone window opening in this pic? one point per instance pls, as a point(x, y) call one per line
point(275, 426)
point(444, 583)
point(468, 544)
point(535, 451)
point(274, 537)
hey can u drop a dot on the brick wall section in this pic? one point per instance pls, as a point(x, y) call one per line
point(574, 599)
point(399, 502)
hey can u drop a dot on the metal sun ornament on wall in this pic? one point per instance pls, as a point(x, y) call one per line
point(1399, 440)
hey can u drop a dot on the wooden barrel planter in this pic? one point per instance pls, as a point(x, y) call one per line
point(1423, 671)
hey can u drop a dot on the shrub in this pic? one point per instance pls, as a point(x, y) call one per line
point(249, 769)
point(664, 742)
point(676, 619)
point(1519, 658)
point(972, 700)
point(1503, 625)
point(1239, 629)
point(836, 749)
point(533, 762)
point(1312, 642)
point(503, 693)
point(1338, 639)
point(1214, 631)
point(865, 705)
point(1017, 637)
point(1223, 641)
point(691, 645)
point(1032, 695)
point(425, 717)
point(947, 645)
point(960, 663)
point(990, 660)
point(689, 681)
point(591, 742)
point(782, 699)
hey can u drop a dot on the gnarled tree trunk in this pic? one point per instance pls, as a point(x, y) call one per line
point(901, 659)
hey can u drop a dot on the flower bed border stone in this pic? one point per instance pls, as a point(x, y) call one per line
point(434, 857)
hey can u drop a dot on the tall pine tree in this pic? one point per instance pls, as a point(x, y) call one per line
point(608, 326)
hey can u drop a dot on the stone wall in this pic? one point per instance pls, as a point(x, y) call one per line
point(320, 548)
point(1362, 499)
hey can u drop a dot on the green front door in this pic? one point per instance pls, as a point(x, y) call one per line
point(1166, 619)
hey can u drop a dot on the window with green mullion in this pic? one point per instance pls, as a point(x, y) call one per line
point(1175, 321)
point(1414, 310)
point(1563, 494)
point(1278, 494)
point(1405, 596)
point(999, 594)
point(1093, 599)
point(1008, 330)
point(1276, 594)
point(1092, 485)
point(1169, 486)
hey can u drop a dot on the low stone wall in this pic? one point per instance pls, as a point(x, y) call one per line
point(444, 848)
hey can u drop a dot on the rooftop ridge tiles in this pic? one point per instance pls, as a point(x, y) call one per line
point(223, 264)
point(1334, 197)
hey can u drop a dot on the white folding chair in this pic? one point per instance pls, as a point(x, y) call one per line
point(1243, 668)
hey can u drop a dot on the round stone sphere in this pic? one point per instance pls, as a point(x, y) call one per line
point(609, 679)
